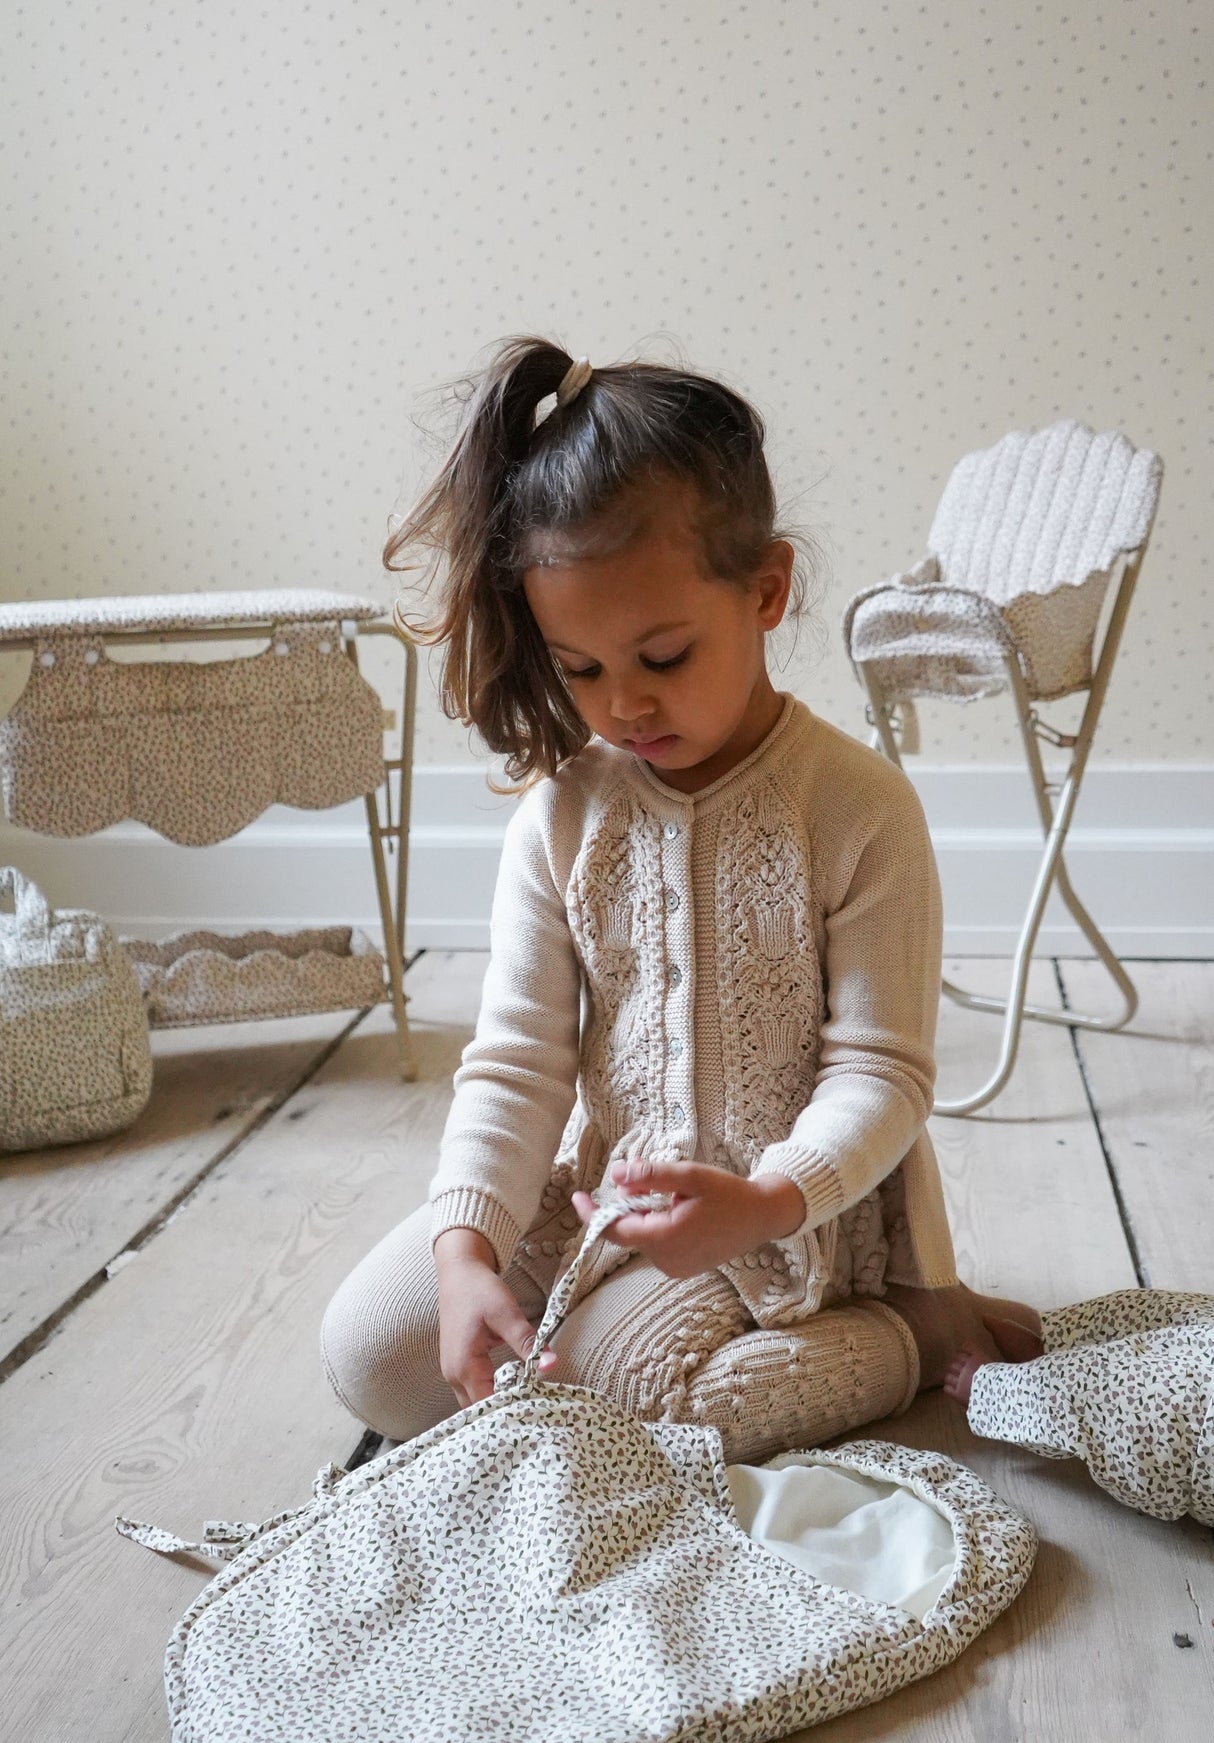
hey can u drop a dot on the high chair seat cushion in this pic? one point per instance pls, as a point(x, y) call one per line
point(1020, 552)
point(924, 639)
point(1043, 509)
point(1126, 1384)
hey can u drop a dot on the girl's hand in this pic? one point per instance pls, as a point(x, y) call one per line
point(476, 1313)
point(713, 1217)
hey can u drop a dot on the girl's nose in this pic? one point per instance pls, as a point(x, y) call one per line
point(630, 702)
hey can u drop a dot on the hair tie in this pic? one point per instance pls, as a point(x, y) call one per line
point(574, 380)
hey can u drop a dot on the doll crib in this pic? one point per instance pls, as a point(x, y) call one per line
point(196, 750)
point(1028, 540)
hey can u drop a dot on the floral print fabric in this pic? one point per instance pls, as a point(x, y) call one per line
point(482, 1580)
point(1126, 1384)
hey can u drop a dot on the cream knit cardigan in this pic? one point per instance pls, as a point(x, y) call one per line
point(747, 975)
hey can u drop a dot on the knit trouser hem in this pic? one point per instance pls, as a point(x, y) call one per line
point(910, 1348)
point(772, 1389)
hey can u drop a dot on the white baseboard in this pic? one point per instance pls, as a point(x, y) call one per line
point(1141, 855)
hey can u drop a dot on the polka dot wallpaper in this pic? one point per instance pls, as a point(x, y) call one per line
point(245, 246)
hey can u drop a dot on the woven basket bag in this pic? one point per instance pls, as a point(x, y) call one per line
point(75, 1060)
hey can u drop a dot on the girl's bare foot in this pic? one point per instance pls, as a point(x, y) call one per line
point(960, 1377)
point(958, 1329)
point(1016, 1344)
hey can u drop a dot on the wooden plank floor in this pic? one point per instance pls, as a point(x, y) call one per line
point(163, 1295)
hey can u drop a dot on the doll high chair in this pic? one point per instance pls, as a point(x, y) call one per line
point(1025, 542)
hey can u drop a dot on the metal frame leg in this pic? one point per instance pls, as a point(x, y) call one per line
point(396, 836)
point(1052, 871)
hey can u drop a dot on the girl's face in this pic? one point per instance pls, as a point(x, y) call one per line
point(658, 660)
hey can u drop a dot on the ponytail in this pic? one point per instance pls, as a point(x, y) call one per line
point(497, 673)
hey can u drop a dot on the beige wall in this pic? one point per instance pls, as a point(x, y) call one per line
point(247, 244)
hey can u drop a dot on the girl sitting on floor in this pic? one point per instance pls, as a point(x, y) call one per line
point(715, 956)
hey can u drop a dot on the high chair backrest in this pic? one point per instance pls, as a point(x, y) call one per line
point(1043, 510)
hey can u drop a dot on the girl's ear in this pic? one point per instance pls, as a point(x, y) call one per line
point(773, 578)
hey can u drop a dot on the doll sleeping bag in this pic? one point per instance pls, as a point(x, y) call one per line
point(543, 1566)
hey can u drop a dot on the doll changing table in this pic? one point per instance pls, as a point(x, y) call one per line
point(196, 750)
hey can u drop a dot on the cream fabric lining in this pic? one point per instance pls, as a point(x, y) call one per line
point(848, 1529)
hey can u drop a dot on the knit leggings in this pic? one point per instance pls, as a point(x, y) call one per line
point(678, 1349)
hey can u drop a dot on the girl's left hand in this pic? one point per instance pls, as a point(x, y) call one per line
point(714, 1215)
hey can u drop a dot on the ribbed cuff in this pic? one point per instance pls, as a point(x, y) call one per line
point(910, 1349)
point(467, 1207)
point(820, 1185)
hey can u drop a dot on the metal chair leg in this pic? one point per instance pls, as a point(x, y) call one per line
point(1031, 730)
point(393, 918)
point(1056, 823)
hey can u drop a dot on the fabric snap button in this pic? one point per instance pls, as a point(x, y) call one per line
point(676, 974)
point(677, 1115)
point(670, 830)
point(46, 659)
point(282, 647)
point(676, 1048)
point(91, 656)
point(325, 647)
point(672, 899)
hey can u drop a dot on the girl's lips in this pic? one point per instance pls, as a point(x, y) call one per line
point(646, 745)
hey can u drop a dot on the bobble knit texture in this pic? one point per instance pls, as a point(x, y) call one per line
point(746, 976)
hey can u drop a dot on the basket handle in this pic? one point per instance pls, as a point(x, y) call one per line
point(32, 910)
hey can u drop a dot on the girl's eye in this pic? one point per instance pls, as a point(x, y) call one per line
point(653, 665)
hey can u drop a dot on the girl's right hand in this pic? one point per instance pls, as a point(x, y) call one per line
point(477, 1311)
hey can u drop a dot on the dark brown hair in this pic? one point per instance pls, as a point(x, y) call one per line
point(513, 493)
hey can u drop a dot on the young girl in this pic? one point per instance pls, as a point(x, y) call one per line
point(715, 956)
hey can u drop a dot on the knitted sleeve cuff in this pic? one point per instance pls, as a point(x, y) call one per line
point(467, 1207)
point(818, 1179)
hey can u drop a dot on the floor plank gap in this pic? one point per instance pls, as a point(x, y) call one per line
point(1123, 1212)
